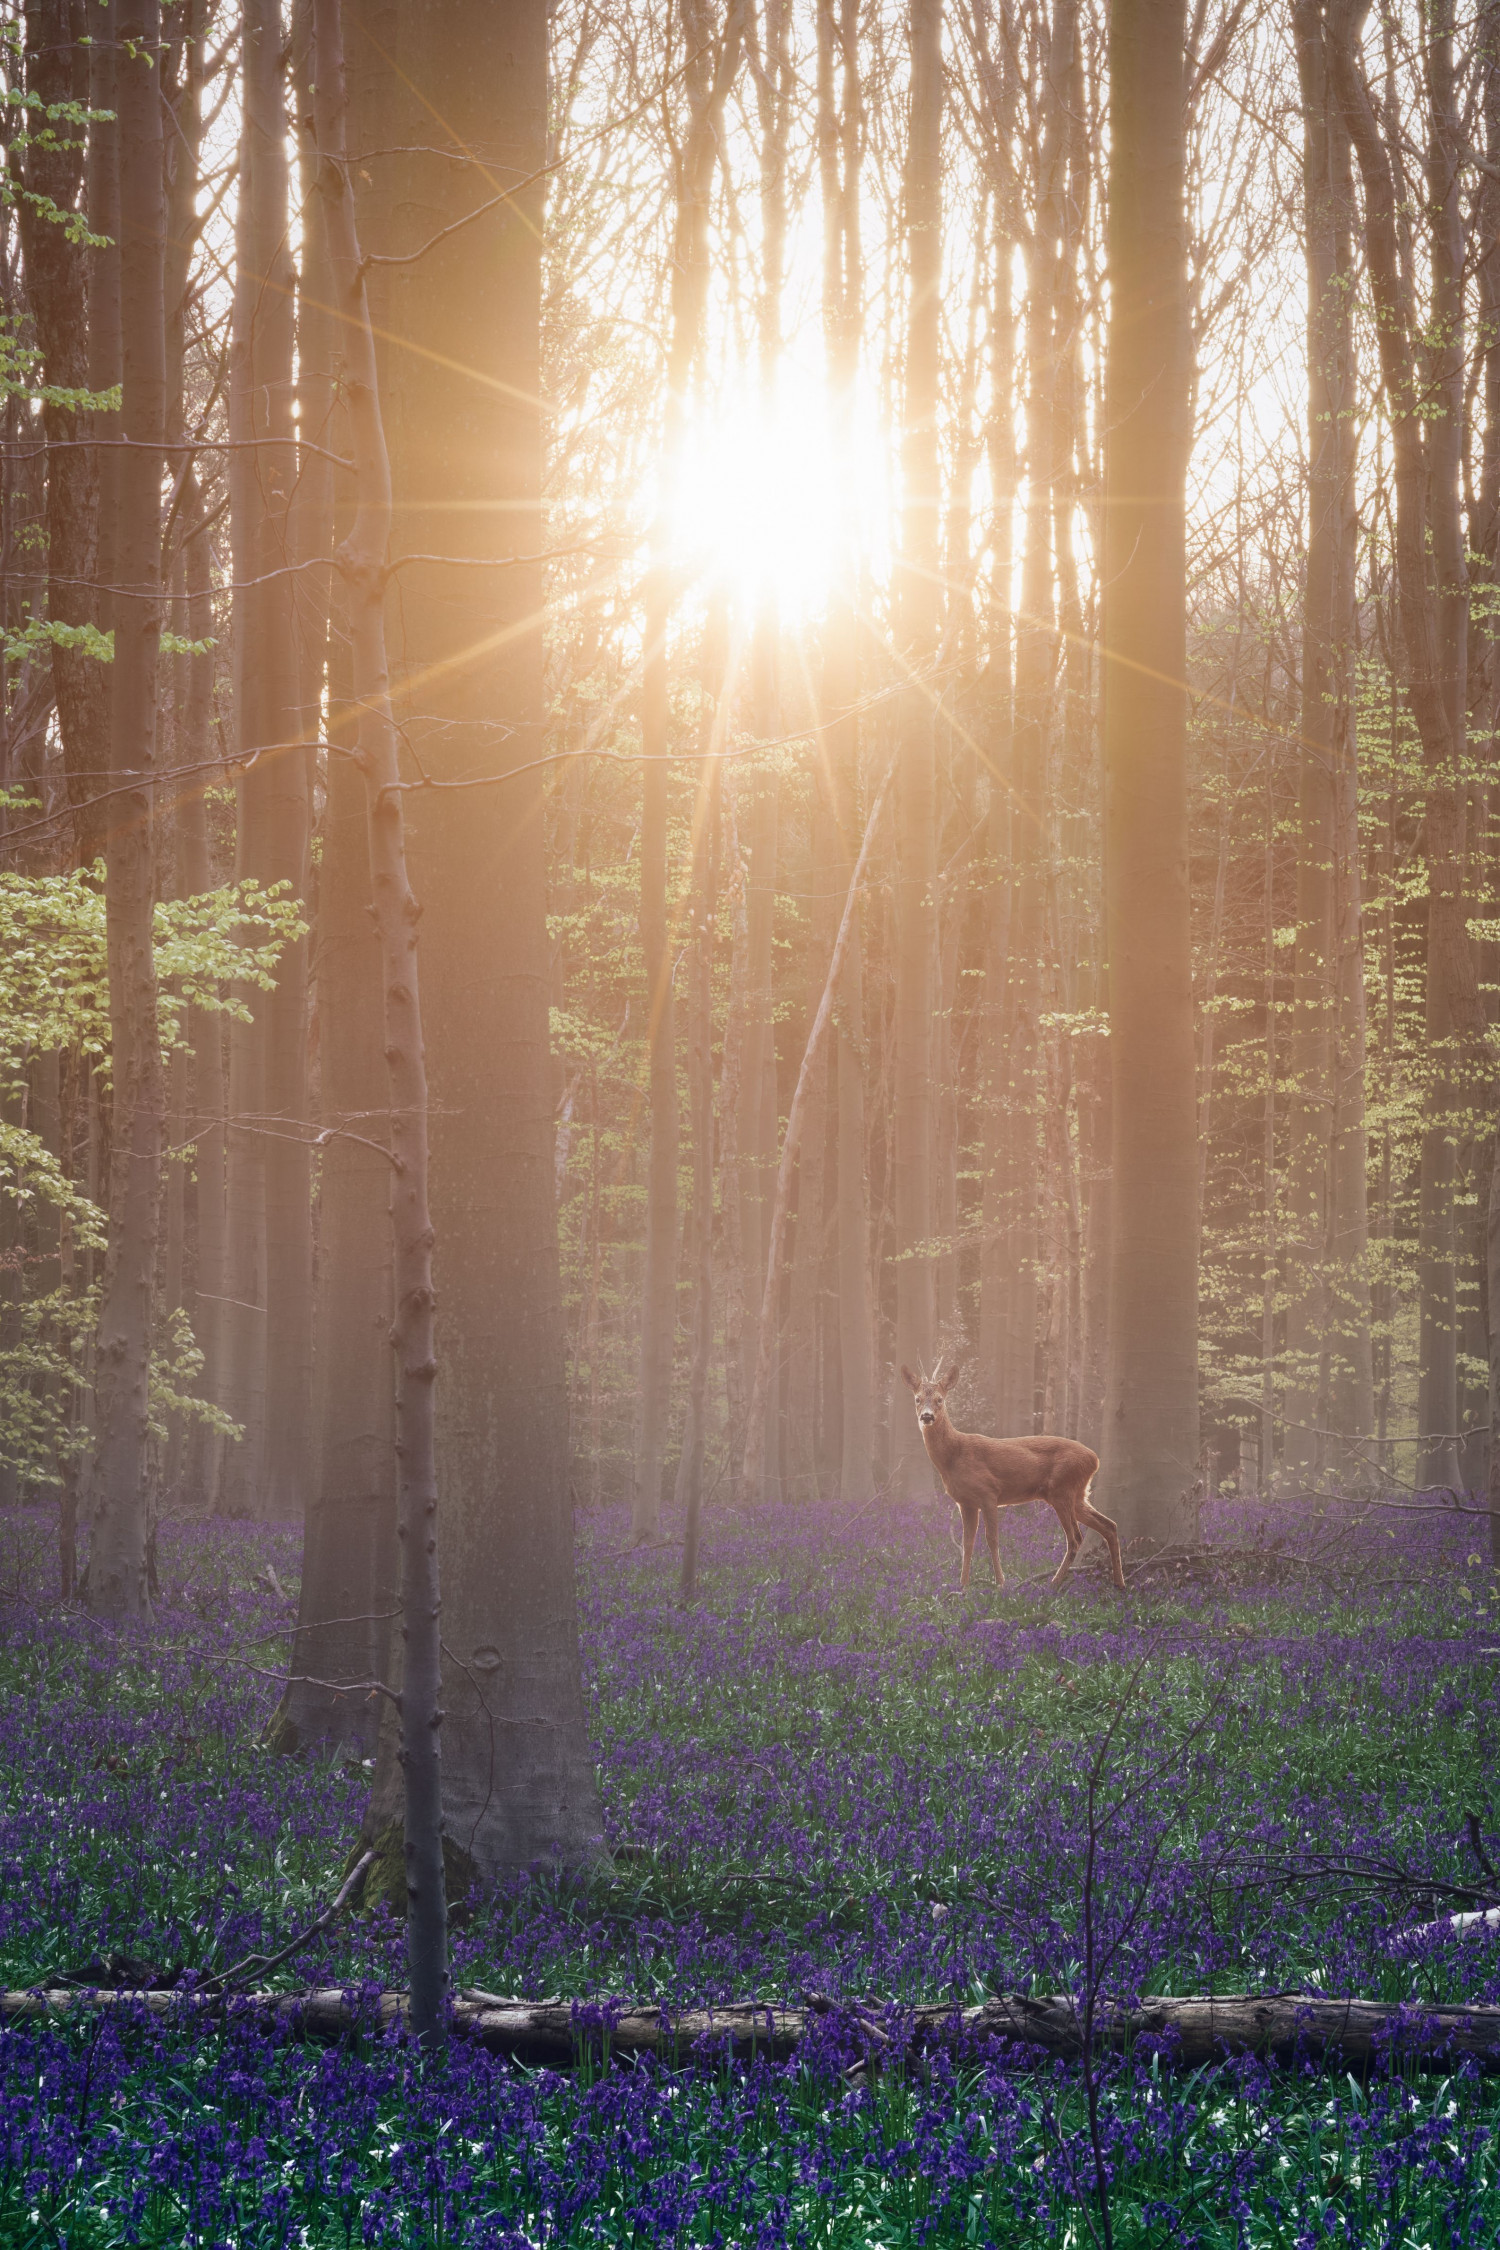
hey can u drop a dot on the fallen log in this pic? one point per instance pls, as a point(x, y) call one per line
point(555, 2032)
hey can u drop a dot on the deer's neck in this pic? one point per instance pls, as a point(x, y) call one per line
point(942, 1441)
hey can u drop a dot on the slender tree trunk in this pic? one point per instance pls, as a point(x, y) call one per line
point(205, 1027)
point(1443, 436)
point(278, 784)
point(1006, 1287)
point(731, 1074)
point(117, 1556)
point(57, 292)
point(756, 1137)
point(919, 619)
point(839, 151)
point(1151, 1418)
point(804, 1321)
point(708, 75)
point(689, 1494)
point(362, 563)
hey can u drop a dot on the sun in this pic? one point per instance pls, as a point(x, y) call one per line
point(754, 508)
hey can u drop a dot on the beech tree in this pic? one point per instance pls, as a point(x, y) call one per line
point(1150, 1435)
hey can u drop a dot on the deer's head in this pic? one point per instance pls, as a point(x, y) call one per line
point(931, 1393)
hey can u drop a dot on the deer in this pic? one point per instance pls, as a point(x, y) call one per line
point(984, 1474)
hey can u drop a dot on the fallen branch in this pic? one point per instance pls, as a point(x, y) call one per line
point(555, 2032)
point(264, 1961)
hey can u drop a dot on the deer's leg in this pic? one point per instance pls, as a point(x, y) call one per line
point(1109, 1532)
point(992, 1540)
point(971, 1527)
point(1070, 1533)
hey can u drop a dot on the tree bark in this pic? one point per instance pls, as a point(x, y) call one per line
point(362, 566)
point(919, 619)
point(275, 791)
point(349, 1555)
point(205, 1026)
point(117, 1553)
point(57, 278)
point(1431, 579)
point(705, 908)
point(1150, 1433)
point(466, 442)
point(708, 75)
point(839, 152)
point(548, 2034)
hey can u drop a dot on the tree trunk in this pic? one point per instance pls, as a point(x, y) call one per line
point(1007, 1290)
point(1443, 441)
point(1327, 616)
point(756, 1136)
point(1431, 577)
point(839, 136)
point(707, 77)
point(205, 1026)
point(706, 830)
point(1150, 1434)
point(519, 1782)
point(1194, 2032)
point(349, 1553)
point(57, 277)
point(117, 1554)
point(919, 620)
point(362, 565)
point(276, 789)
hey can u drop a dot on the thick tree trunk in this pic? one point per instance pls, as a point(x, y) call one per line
point(1431, 577)
point(1327, 615)
point(117, 1553)
point(1150, 1438)
point(349, 1551)
point(466, 436)
point(919, 620)
point(349, 1554)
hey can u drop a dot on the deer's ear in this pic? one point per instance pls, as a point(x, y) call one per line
point(946, 1382)
point(911, 1380)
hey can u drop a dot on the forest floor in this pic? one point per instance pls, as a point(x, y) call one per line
point(833, 1774)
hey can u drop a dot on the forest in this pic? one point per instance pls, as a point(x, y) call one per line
point(749, 888)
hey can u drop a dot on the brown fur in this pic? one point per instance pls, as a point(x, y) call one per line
point(985, 1474)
